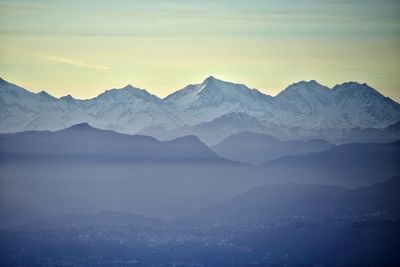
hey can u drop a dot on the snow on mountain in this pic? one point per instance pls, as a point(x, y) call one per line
point(126, 110)
point(214, 98)
point(304, 104)
point(360, 105)
point(314, 106)
point(22, 110)
point(209, 108)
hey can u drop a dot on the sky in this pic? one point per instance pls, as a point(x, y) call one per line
point(84, 47)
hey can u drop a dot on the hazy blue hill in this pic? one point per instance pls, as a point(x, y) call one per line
point(272, 203)
point(83, 142)
point(350, 165)
point(282, 202)
point(259, 148)
point(394, 129)
point(379, 197)
point(84, 169)
point(388, 134)
point(213, 132)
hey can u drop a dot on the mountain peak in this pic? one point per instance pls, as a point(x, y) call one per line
point(46, 95)
point(187, 138)
point(81, 126)
point(128, 87)
point(212, 92)
point(191, 146)
point(132, 88)
point(67, 98)
point(303, 88)
point(304, 82)
point(352, 85)
point(210, 79)
point(361, 89)
point(307, 85)
point(216, 86)
point(127, 92)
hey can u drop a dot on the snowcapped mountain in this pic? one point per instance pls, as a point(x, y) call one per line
point(126, 110)
point(213, 109)
point(304, 104)
point(314, 106)
point(213, 98)
point(362, 106)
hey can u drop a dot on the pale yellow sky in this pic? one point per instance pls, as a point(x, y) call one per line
point(81, 48)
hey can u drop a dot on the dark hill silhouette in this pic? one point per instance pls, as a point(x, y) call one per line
point(259, 148)
point(83, 142)
point(289, 201)
point(350, 165)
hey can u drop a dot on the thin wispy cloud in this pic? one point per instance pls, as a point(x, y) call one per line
point(76, 62)
point(60, 59)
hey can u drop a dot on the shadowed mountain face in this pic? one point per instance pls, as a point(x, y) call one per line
point(282, 202)
point(211, 110)
point(84, 143)
point(259, 148)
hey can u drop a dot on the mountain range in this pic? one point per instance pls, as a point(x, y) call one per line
point(303, 201)
point(211, 110)
point(84, 169)
point(256, 148)
point(83, 143)
point(349, 165)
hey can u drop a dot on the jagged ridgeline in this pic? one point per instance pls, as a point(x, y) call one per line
point(213, 110)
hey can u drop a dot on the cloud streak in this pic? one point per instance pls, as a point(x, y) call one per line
point(75, 62)
point(60, 59)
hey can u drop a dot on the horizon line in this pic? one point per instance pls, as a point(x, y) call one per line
point(193, 84)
